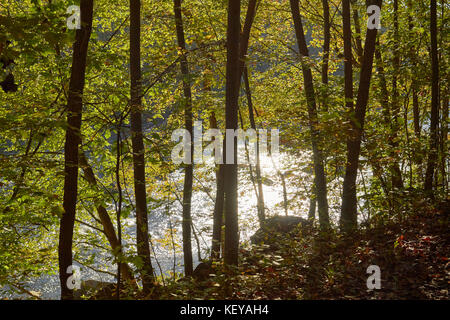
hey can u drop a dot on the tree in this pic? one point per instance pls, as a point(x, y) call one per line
point(348, 56)
point(231, 120)
point(218, 204)
point(396, 173)
point(259, 193)
point(244, 42)
point(391, 126)
point(220, 192)
point(108, 227)
point(325, 67)
point(432, 156)
point(348, 218)
point(142, 237)
point(326, 50)
point(319, 171)
point(188, 171)
point(73, 139)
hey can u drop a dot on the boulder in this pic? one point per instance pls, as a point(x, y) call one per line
point(202, 271)
point(97, 290)
point(276, 225)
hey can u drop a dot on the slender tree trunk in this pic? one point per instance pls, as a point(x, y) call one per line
point(231, 117)
point(416, 110)
point(312, 205)
point(384, 99)
point(325, 67)
point(108, 227)
point(359, 48)
point(326, 50)
point(348, 219)
point(348, 65)
point(396, 174)
point(444, 97)
point(143, 248)
point(444, 141)
point(432, 157)
point(219, 204)
point(319, 177)
point(260, 194)
point(415, 95)
point(188, 173)
point(243, 70)
point(73, 138)
point(119, 209)
point(245, 35)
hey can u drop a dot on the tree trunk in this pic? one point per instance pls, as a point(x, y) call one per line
point(348, 219)
point(188, 173)
point(444, 141)
point(73, 139)
point(143, 248)
point(432, 156)
point(260, 194)
point(243, 70)
point(359, 48)
point(319, 177)
point(326, 51)
point(108, 227)
point(396, 174)
point(218, 206)
point(245, 35)
point(348, 65)
point(231, 119)
point(312, 205)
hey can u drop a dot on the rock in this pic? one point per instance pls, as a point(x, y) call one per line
point(444, 207)
point(278, 224)
point(202, 271)
point(97, 290)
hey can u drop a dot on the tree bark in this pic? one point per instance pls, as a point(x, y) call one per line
point(444, 141)
point(245, 35)
point(220, 193)
point(260, 194)
point(348, 219)
point(219, 204)
point(326, 51)
point(432, 156)
point(359, 48)
point(416, 110)
point(396, 173)
point(142, 236)
point(231, 119)
point(312, 205)
point(73, 139)
point(188, 173)
point(319, 178)
point(348, 65)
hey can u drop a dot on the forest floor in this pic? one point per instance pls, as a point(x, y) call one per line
point(412, 253)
